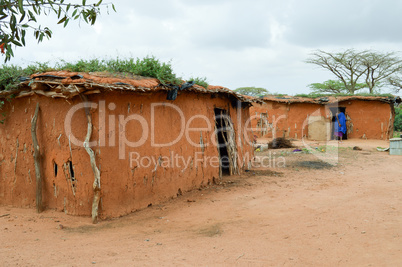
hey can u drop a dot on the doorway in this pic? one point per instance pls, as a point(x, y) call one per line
point(334, 120)
point(225, 137)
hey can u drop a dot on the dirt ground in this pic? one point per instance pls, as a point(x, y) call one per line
point(304, 213)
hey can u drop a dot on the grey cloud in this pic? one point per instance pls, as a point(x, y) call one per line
point(344, 22)
point(233, 43)
point(232, 26)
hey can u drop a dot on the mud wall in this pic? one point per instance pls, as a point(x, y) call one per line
point(284, 120)
point(148, 149)
point(365, 119)
point(369, 119)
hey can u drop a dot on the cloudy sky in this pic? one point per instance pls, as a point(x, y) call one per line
point(233, 43)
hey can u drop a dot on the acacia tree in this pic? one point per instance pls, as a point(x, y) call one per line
point(345, 65)
point(252, 91)
point(19, 16)
point(396, 83)
point(366, 66)
point(379, 66)
point(333, 87)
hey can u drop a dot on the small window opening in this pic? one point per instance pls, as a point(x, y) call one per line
point(55, 169)
point(71, 170)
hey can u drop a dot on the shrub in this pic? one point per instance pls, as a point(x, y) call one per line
point(152, 67)
point(200, 81)
point(9, 77)
point(398, 119)
point(82, 65)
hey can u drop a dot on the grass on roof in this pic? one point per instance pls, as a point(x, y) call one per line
point(147, 67)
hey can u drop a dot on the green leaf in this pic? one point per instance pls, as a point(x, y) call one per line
point(93, 20)
point(13, 22)
point(62, 20)
point(114, 8)
point(31, 16)
point(16, 43)
point(83, 2)
point(22, 16)
point(10, 50)
point(75, 12)
point(20, 6)
point(3, 17)
point(34, 9)
point(23, 37)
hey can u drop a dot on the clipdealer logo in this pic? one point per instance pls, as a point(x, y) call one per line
point(108, 136)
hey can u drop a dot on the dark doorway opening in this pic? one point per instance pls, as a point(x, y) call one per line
point(334, 120)
point(222, 141)
point(55, 168)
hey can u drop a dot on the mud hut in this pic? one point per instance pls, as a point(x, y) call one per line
point(110, 145)
point(368, 117)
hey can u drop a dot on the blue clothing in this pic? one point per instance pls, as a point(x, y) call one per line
point(342, 120)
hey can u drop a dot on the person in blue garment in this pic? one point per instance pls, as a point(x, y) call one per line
point(340, 125)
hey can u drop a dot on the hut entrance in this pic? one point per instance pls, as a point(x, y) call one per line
point(334, 110)
point(262, 123)
point(225, 136)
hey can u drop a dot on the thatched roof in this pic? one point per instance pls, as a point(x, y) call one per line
point(329, 99)
point(66, 84)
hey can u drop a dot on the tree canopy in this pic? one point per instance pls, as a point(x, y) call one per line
point(252, 91)
point(333, 87)
point(396, 83)
point(380, 66)
point(357, 69)
point(19, 16)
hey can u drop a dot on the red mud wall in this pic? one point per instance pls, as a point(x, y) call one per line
point(369, 119)
point(284, 120)
point(138, 166)
point(366, 119)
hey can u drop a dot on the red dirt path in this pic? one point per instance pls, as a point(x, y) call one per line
point(349, 215)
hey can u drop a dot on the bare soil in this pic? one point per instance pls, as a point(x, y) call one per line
point(349, 214)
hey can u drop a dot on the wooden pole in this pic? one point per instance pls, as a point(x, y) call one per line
point(37, 161)
point(91, 153)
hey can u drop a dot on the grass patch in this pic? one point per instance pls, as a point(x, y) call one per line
point(314, 164)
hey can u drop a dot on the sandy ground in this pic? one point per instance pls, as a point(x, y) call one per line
point(293, 215)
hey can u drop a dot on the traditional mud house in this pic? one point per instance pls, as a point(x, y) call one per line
point(367, 117)
point(143, 148)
